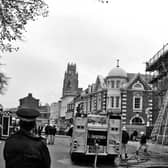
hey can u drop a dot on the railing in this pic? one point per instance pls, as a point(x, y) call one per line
point(161, 52)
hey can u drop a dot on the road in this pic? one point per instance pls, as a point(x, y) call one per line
point(60, 157)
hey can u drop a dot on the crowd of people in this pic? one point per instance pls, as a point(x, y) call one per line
point(50, 132)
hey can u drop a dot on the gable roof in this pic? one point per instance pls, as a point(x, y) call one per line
point(135, 78)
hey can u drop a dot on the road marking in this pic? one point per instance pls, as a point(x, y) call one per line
point(64, 161)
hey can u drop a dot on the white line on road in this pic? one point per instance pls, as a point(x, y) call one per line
point(64, 161)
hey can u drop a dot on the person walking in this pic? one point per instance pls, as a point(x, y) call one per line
point(124, 141)
point(24, 149)
point(135, 134)
point(47, 133)
point(142, 143)
point(50, 130)
point(39, 130)
point(69, 130)
point(53, 132)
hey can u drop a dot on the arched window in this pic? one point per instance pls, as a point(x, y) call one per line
point(138, 86)
point(137, 121)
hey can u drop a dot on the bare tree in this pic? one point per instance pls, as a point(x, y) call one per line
point(14, 15)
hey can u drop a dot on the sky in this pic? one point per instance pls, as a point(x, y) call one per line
point(86, 32)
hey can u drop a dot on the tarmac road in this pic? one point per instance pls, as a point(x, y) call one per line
point(60, 157)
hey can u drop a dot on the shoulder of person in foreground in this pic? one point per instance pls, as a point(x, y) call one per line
point(45, 153)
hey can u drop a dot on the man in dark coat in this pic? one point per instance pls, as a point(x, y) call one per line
point(24, 149)
point(135, 134)
point(39, 130)
point(124, 141)
point(53, 132)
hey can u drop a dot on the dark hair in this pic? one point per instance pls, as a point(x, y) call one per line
point(27, 125)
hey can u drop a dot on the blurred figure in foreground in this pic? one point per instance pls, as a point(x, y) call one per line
point(24, 149)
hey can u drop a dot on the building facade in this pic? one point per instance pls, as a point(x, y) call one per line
point(70, 88)
point(30, 101)
point(128, 94)
point(137, 104)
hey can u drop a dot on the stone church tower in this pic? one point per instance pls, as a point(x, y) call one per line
point(70, 88)
point(70, 84)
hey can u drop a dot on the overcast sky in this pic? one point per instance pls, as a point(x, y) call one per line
point(86, 32)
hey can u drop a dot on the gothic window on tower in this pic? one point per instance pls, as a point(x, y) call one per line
point(69, 84)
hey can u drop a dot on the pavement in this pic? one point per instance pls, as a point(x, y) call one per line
point(157, 156)
point(153, 148)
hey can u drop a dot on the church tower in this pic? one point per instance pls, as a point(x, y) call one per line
point(70, 88)
point(70, 83)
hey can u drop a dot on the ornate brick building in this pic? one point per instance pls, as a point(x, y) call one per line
point(128, 94)
point(136, 103)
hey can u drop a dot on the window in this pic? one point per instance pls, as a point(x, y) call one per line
point(99, 101)
point(112, 84)
point(138, 86)
point(117, 101)
point(112, 101)
point(137, 103)
point(137, 121)
point(108, 83)
point(108, 101)
point(118, 84)
point(93, 104)
point(90, 103)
